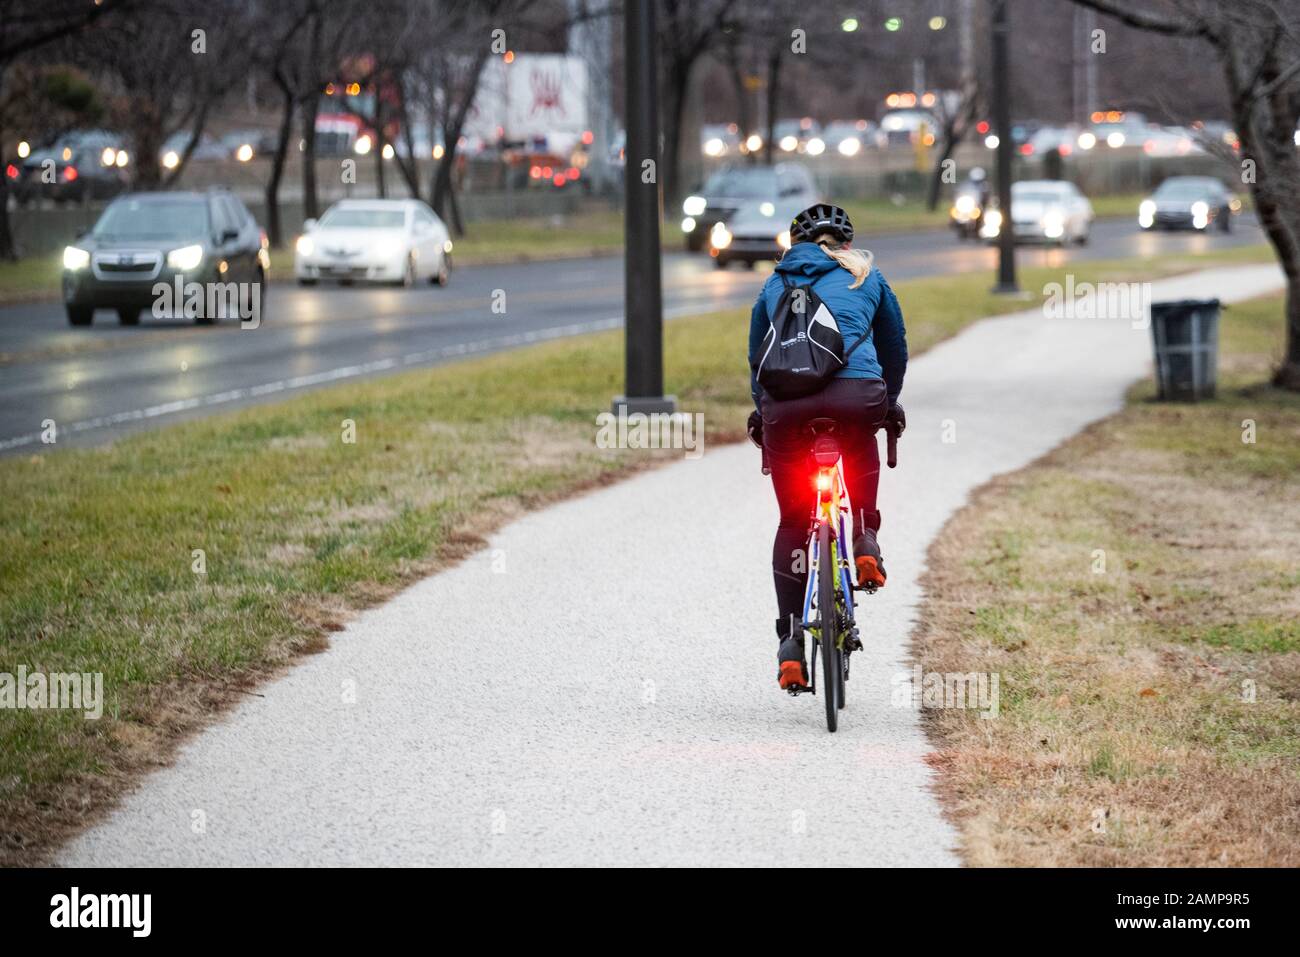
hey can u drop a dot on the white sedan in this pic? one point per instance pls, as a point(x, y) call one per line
point(398, 241)
point(1044, 210)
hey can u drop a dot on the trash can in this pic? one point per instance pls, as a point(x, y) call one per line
point(1186, 339)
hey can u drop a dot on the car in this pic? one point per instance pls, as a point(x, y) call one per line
point(849, 137)
point(966, 214)
point(82, 166)
point(1189, 202)
point(801, 135)
point(1043, 210)
point(735, 186)
point(719, 139)
point(755, 232)
point(1165, 141)
point(1048, 138)
point(1116, 129)
point(397, 241)
point(144, 239)
point(903, 127)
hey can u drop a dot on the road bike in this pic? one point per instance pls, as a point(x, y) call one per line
point(829, 612)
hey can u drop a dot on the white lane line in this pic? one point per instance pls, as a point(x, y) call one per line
point(349, 372)
point(320, 378)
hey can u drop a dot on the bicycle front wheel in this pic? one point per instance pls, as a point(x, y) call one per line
point(832, 667)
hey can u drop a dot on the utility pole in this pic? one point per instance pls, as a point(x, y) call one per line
point(642, 294)
point(1002, 120)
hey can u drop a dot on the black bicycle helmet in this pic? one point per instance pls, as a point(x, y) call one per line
point(822, 219)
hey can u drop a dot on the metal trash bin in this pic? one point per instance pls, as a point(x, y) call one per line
point(1186, 339)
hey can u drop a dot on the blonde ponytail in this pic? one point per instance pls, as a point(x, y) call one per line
point(856, 261)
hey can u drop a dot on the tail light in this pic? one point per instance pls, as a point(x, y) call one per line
point(825, 479)
point(70, 174)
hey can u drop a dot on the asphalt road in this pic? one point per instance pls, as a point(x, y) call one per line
point(100, 382)
point(563, 698)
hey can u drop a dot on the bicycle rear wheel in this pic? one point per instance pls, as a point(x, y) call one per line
point(832, 667)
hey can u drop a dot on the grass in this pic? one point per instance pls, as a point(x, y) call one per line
point(298, 528)
point(1150, 705)
point(37, 277)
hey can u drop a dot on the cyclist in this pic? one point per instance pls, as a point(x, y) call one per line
point(862, 398)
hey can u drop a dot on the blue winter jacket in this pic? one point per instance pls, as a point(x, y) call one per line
point(872, 306)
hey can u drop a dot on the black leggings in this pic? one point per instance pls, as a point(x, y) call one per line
point(858, 407)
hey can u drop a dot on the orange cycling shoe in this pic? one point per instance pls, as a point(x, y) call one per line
point(866, 555)
point(792, 670)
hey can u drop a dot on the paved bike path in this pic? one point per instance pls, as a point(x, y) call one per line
point(598, 686)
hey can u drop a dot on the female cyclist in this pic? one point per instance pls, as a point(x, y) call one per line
point(862, 398)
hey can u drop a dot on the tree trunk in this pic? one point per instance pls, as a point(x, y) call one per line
point(8, 251)
point(274, 229)
point(309, 108)
point(380, 183)
point(1276, 170)
point(196, 134)
point(670, 162)
point(773, 94)
point(1288, 374)
point(744, 111)
point(441, 194)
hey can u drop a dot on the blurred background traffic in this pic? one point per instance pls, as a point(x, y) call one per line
point(506, 112)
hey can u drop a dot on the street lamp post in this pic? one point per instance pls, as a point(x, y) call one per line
point(642, 295)
point(1002, 118)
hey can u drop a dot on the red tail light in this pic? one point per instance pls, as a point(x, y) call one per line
point(825, 478)
point(11, 171)
point(70, 174)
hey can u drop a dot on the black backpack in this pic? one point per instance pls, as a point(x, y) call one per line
point(803, 348)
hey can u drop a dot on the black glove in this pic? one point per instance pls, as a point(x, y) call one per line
point(895, 418)
point(755, 429)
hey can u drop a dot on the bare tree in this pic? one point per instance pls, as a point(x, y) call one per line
point(688, 29)
point(27, 26)
point(1258, 46)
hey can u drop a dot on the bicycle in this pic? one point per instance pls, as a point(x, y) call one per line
point(828, 608)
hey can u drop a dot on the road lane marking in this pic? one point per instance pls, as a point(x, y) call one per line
point(341, 373)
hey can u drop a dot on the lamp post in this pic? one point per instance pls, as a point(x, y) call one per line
point(642, 293)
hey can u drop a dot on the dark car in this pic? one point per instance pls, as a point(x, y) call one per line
point(1189, 202)
point(729, 189)
point(143, 239)
point(83, 166)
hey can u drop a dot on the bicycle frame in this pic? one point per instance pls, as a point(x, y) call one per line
point(832, 506)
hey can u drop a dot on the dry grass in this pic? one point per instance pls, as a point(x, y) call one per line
point(1127, 733)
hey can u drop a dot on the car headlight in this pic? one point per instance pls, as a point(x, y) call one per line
point(720, 238)
point(783, 239)
point(694, 205)
point(1200, 210)
point(185, 258)
point(1053, 224)
point(75, 259)
point(1146, 213)
point(305, 245)
point(688, 224)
